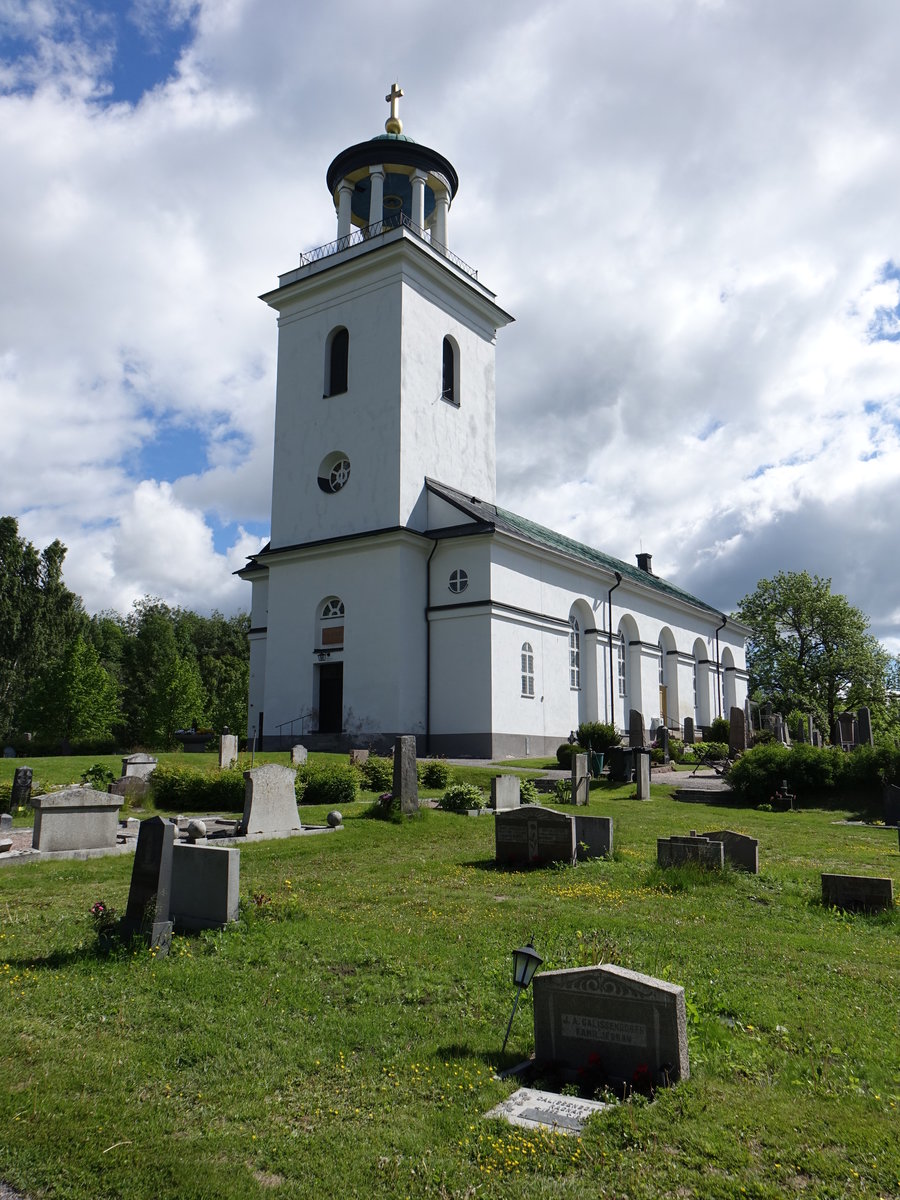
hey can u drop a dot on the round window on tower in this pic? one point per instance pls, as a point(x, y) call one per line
point(334, 472)
point(459, 581)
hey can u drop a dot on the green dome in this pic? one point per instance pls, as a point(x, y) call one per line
point(393, 137)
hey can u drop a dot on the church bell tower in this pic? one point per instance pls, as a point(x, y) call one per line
point(385, 379)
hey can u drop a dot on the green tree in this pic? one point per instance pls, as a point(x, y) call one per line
point(78, 699)
point(177, 701)
point(39, 619)
point(810, 649)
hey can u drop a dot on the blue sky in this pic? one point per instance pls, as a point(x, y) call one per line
point(690, 209)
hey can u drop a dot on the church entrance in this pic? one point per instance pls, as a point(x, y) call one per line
point(331, 697)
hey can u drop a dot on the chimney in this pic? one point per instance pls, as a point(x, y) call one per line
point(643, 561)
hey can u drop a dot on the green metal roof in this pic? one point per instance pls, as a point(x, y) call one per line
point(489, 516)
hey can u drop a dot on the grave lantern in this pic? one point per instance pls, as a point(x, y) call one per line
point(526, 961)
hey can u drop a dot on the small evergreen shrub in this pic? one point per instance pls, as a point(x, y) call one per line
point(562, 791)
point(377, 773)
point(720, 730)
point(331, 783)
point(711, 750)
point(528, 793)
point(598, 736)
point(434, 773)
point(460, 797)
point(564, 754)
point(5, 797)
point(184, 789)
point(676, 749)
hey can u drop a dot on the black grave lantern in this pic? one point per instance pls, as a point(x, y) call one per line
point(526, 961)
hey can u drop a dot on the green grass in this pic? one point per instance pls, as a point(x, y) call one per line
point(341, 1039)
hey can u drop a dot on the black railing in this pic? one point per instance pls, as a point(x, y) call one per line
point(368, 232)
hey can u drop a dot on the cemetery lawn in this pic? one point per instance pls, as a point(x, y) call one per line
point(341, 1040)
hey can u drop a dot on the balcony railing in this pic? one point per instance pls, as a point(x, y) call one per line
point(369, 232)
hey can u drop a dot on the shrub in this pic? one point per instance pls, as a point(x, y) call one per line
point(528, 793)
point(331, 783)
point(98, 776)
point(5, 797)
point(596, 735)
point(183, 789)
point(562, 791)
point(377, 773)
point(460, 797)
point(757, 774)
point(711, 750)
point(564, 754)
point(657, 755)
point(720, 730)
point(676, 749)
point(763, 737)
point(434, 773)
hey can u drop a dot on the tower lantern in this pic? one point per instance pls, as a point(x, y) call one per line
point(392, 180)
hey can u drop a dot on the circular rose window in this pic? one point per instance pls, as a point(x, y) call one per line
point(334, 472)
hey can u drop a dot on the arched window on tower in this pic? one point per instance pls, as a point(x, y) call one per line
point(450, 371)
point(337, 357)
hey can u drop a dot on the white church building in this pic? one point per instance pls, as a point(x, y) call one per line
point(395, 596)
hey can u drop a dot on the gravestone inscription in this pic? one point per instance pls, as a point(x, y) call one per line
point(533, 1109)
point(533, 836)
point(628, 1023)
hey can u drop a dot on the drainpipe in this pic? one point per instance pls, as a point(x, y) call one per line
point(428, 651)
point(719, 669)
point(612, 692)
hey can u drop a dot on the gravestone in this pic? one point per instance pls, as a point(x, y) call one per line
point(737, 732)
point(676, 851)
point(406, 782)
point(662, 741)
point(299, 755)
point(5, 822)
point(864, 728)
point(533, 1109)
point(779, 727)
point(533, 836)
point(76, 818)
point(741, 852)
point(642, 772)
point(21, 787)
point(817, 739)
point(358, 757)
point(205, 886)
point(845, 732)
point(581, 779)
point(151, 882)
point(631, 1024)
point(621, 764)
point(891, 804)
point(135, 787)
point(688, 731)
point(593, 837)
point(5, 845)
point(270, 802)
point(637, 735)
point(810, 730)
point(505, 792)
point(140, 765)
point(228, 750)
point(865, 893)
point(9, 752)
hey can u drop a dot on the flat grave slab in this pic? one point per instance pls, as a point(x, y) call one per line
point(532, 1109)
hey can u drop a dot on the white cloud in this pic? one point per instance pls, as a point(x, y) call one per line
point(688, 207)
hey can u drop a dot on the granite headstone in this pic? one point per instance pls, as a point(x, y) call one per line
point(406, 782)
point(533, 836)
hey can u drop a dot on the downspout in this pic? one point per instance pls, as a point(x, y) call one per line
point(612, 693)
point(719, 669)
point(428, 651)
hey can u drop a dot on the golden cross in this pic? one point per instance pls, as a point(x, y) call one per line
point(393, 124)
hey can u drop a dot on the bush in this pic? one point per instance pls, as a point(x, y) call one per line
point(98, 776)
point(720, 730)
point(711, 750)
point(595, 735)
point(528, 793)
point(564, 756)
point(5, 797)
point(460, 797)
point(434, 773)
point(331, 783)
point(377, 773)
point(562, 791)
point(763, 737)
point(676, 749)
point(183, 789)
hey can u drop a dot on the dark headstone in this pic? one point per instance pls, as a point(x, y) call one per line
point(737, 732)
point(637, 735)
point(891, 804)
point(21, 788)
point(624, 1022)
point(151, 885)
point(9, 752)
point(864, 728)
point(662, 741)
point(406, 782)
point(845, 730)
point(861, 892)
point(132, 786)
point(532, 836)
point(593, 837)
point(741, 852)
point(621, 764)
point(688, 731)
point(676, 851)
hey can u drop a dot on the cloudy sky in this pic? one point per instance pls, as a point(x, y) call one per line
point(690, 207)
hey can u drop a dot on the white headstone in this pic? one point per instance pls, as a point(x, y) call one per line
point(270, 803)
